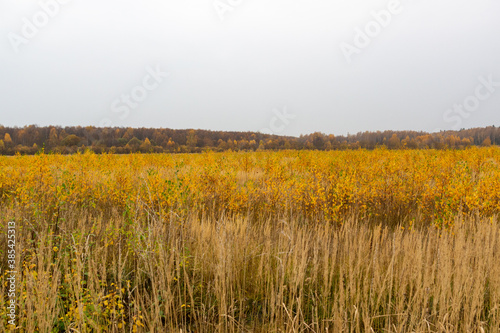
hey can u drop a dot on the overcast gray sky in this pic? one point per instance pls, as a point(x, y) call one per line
point(285, 66)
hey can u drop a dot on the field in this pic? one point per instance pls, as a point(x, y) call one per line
point(290, 241)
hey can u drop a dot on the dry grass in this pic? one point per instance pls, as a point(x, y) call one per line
point(122, 273)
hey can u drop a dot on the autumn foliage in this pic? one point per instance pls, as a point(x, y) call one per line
point(384, 186)
point(291, 241)
point(68, 140)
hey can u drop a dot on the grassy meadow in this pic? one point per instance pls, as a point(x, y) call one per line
point(289, 241)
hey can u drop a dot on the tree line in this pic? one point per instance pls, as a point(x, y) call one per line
point(121, 140)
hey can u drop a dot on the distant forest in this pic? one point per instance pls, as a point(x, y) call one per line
point(67, 140)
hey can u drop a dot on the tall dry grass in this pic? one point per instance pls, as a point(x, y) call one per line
point(135, 273)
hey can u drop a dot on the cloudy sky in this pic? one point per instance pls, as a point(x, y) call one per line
point(289, 67)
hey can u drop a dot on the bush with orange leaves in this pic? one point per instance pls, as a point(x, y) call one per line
point(427, 186)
